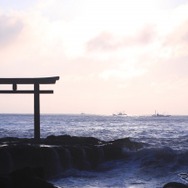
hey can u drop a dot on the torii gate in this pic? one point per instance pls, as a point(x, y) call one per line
point(36, 82)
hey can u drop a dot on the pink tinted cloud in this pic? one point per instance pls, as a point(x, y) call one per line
point(108, 42)
point(10, 28)
point(175, 44)
point(179, 37)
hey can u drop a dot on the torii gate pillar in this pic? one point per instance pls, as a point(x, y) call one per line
point(36, 112)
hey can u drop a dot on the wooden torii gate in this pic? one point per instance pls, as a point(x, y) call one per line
point(36, 82)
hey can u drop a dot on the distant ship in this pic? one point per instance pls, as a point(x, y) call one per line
point(120, 114)
point(160, 115)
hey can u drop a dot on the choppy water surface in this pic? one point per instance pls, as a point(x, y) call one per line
point(161, 131)
point(160, 161)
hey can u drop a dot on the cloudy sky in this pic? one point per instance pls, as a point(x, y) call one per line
point(111, 55)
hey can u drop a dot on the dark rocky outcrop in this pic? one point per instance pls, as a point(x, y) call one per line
point(26, 177)
point(71, 140)
point(26, 163)
point(58, 153)
point(175, 185)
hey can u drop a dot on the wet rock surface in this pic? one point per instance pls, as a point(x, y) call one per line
point(175, 185)
point(27, 163)
point(26, 177)
point(57, 153)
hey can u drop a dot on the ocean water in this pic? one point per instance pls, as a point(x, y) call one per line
point(163, 158)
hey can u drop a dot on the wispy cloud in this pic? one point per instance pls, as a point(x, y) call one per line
point(10, 28)
point(177, 41)
point(108, 42)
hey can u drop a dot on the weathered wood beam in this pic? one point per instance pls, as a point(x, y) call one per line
point(36, 112)
point(25, 92)
point(43, 80)
point(14, 87)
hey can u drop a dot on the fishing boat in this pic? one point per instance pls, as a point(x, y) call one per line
point(120, 114)
point(160, 115)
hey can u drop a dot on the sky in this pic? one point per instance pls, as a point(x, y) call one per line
point(111, 55)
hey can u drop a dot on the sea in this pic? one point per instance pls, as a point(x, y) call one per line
point(163, 158)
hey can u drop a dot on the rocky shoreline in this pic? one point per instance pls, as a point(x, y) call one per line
point(24, 161)
point(27, 163)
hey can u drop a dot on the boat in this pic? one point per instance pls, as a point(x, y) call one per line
point(120, 114)
point(160, 115)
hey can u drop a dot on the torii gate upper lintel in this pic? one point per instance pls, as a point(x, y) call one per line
point(36, 82)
